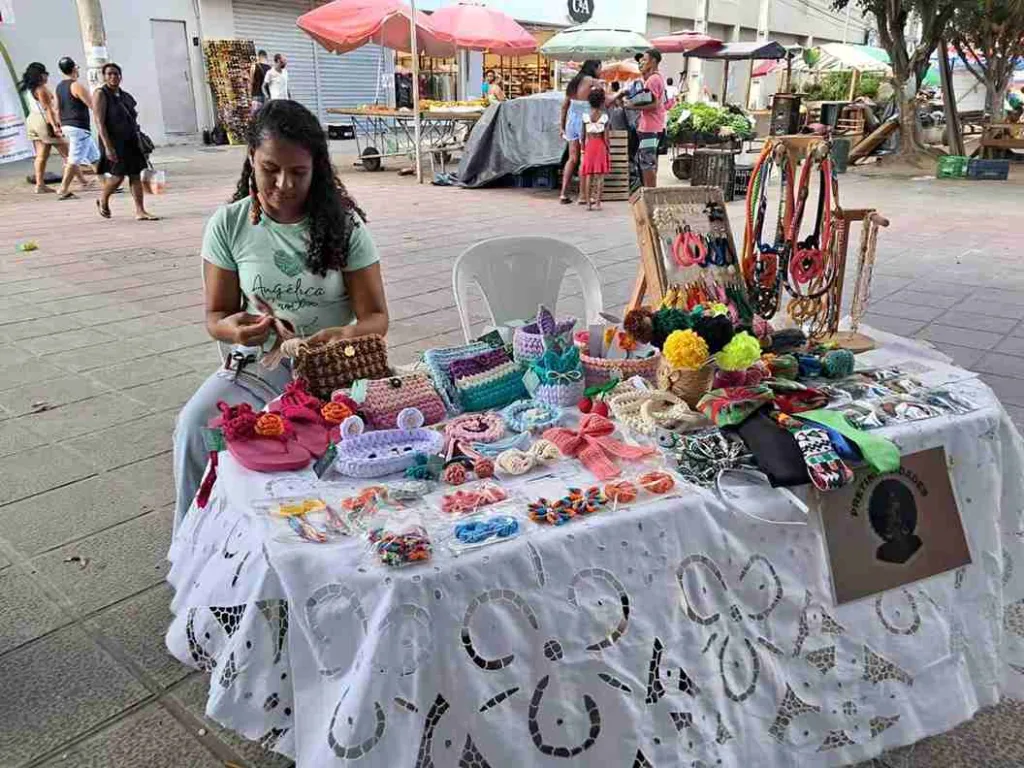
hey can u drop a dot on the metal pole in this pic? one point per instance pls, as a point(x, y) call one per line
point(846, 26)
point(94, 40)
point(696, 75)
point(415, 90)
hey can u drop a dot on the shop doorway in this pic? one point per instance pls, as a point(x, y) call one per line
point(174, 76)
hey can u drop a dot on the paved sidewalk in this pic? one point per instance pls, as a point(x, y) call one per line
point(102, 341)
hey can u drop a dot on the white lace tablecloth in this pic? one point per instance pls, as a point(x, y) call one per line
point(676, 633)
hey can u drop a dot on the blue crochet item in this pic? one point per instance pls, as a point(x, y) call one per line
point(561, 378)
point(438, 361)
point(493, 393)
point(528, 415)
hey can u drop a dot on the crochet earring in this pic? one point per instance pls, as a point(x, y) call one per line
point(255, 209)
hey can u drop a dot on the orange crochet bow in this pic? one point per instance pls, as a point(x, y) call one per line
point(593, 445)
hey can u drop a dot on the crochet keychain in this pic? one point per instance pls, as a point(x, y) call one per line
point(576, 502)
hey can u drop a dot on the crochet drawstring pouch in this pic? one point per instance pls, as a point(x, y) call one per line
point(556, 379)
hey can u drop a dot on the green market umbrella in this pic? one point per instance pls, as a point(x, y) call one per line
point(583, 42)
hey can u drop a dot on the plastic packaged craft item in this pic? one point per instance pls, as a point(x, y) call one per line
point(513, 461)
point(576, 503)
point(154, 181)
point(401, 545)
point(471, 498)
point(308, 517)
point(951, 402)
point(483, 531)
point(390, 451)
point(644, 487)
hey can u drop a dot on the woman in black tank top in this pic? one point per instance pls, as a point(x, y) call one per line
point(73, 105)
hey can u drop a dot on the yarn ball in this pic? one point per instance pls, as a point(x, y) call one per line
point(783, 366)
point(685, 349)
point(454, 474)
point(788, 340)
point(665, 321)
point(483, 468)
point(716, 330)
point(740, 353)
point(639, 323)
point(837, 364)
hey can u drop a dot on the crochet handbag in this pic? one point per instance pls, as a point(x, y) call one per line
point(387, 452)
point(439, 362)
point(336, 364)
point(384, 399)
point(487, 381)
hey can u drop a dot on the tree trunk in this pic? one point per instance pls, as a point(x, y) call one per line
point(995, 96)
point(910, 140)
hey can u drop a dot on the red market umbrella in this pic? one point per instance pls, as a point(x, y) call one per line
point(344, 25)
point(765, 68)
point(683, 42)
point(477, 28)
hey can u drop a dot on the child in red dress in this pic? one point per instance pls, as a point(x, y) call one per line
point(596, 158)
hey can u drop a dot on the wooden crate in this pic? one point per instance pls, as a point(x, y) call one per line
point(616, 183)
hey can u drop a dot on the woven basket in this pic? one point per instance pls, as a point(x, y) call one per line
point(528, 344)
point(688, 385)
point(562, 395)
point(599, 370)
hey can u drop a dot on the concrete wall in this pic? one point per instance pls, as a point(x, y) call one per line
point(218, 19)
point(45, 30)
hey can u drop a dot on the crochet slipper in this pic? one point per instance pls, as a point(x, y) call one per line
point(303, 410)
point(262, 442)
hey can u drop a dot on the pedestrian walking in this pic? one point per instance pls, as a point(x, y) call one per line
point(260, 68)
point(275, 82)
point(117, 121)
point(74, 104)
point(43, 121)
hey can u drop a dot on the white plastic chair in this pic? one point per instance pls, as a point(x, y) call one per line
point(517, 274)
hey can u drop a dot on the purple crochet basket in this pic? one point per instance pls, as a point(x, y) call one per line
point(528, 343)
point(562, 394)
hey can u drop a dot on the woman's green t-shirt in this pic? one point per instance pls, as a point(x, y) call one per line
point(270, 259)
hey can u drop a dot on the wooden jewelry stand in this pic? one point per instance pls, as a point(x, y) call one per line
point(652, 281)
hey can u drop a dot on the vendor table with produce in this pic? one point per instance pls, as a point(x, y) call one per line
point(383, 132)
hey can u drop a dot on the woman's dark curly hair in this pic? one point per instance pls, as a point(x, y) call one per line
point(332, 212)
point(33, 77)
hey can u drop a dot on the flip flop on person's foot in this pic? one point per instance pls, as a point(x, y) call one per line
point(565, 200)
point(103, 209)
point(44, 190)
point(146, 217)
point(66, 196)
point(262, 442)
point(581, 201)
point(303, 410)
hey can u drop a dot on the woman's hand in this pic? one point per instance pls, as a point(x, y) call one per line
point(111, 155)
point(332, 334)
point(247, 330)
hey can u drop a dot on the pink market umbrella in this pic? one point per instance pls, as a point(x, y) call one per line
point(683, 42)
point(477, 28)
point(621, 71)
point(344, 25)
point(765, 68)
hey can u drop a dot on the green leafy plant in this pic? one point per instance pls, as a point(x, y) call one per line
point(707, 119)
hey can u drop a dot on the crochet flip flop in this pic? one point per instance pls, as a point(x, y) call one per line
point(304, 411)
point(262, 442)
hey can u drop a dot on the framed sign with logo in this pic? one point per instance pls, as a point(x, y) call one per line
point(581, 11)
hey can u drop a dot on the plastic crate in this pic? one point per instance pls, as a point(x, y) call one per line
point(741, 181)
point(952, 167)
point(988, 170)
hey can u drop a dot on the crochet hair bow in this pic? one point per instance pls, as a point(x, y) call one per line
point(593, 445)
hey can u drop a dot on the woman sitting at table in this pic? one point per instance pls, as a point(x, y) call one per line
point(294, 239)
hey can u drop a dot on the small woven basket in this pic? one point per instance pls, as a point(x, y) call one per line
point(599, 370)
point(690, 385)
point(562, 394)
point(528, 343)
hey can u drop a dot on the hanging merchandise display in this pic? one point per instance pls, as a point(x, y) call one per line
point(764, 264)
point(229, 71)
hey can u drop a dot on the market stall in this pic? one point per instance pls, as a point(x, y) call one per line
point(380, 132)
point(704, 533)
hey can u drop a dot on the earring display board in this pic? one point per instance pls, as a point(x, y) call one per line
point(229, 70)
point(685, 243)
point(886, 531)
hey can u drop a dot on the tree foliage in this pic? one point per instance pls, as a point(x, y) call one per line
point(988, 35)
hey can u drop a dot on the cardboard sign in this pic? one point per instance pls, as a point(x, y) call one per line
point(886, 531)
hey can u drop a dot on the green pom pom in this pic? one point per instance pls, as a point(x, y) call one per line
point(740, 353)
point(667, 320)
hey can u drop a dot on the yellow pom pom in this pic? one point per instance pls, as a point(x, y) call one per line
point(740, 353)
point(685, 349)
